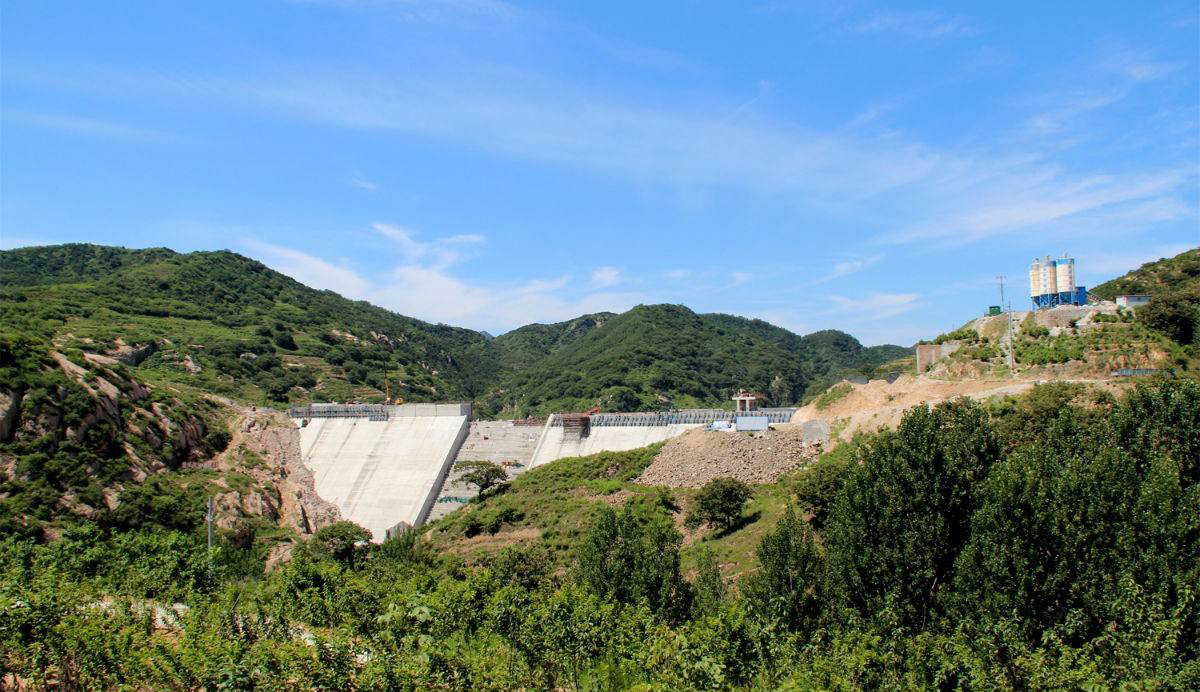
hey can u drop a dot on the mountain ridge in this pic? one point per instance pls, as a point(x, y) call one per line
point(269, 338)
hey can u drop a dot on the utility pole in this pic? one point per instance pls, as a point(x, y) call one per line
point(1012, 363)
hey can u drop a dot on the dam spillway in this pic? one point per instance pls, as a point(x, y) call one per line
point(381, 465)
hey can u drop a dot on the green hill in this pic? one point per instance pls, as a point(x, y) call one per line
point(657, 356)
point(226, 324)
point(217, 322)
point(526, 346)
point(1155, 278)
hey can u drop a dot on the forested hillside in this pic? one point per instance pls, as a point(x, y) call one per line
point(1155, 278)
point(1046, 542)
point(664, 356)
point(224, 324)
point(1174, 287)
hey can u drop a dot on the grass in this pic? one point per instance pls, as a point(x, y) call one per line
point(832, 395)
point(557, 503)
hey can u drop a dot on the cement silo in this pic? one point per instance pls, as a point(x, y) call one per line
point(1064, 269)
point(1052, 282)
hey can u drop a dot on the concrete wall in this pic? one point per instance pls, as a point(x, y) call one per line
point(381, 473)
point(603, 439)
point(430, 410)
point(928, 354)
point(499, 442)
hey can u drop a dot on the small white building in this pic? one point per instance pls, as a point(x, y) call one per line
point(1132, 301)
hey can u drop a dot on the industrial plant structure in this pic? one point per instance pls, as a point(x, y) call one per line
point(1052, 282)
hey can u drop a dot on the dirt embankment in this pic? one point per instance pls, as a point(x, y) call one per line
point(878, 404)
point(698, 456)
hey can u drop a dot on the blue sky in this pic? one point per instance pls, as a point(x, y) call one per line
point(488, 164)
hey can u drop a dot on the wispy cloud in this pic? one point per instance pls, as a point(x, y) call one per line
point(1101, 266)
point(875, 305)
point(425, 285)
point(603, 277)
point(310, 270)
point(676, 274)
point(739, 278)
point(439, 252)
point(362, 182)
point(1056, 119)
point(919, 25)
point(82, 126)
point(847, 267)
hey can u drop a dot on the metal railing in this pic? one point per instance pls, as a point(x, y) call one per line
point(375, 412)
point(683, 417)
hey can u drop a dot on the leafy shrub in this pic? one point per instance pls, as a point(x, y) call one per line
point(719, 503)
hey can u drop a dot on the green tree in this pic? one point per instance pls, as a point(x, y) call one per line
point(481, 474)
point(340, 540)
point(633, 557)
point(1175, 313)
point(719, 503)
point(709, 585)
point(787, 588)
point(904, 514)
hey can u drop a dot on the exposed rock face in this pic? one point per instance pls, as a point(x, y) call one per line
point(10, 413)
point(266, 447)
point(132, 355)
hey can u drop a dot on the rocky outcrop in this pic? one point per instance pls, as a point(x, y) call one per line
point(132, 354)
point(266, 447)
point(10, 413)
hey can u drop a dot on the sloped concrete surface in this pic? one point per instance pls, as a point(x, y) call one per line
point(381, 473)
point(603, 439)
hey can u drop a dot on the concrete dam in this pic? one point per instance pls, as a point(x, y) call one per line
point(381, 465)
point(391, 466)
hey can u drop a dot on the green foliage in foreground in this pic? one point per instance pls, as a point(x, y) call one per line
point(978, 548)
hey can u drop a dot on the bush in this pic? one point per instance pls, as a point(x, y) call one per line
point(719, 504)
point(340, 540)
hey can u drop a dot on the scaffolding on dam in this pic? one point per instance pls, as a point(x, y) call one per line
point(373, 412)
point(684, 417)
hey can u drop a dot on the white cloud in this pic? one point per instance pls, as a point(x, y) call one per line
point(1055, 120)
point(923, 25)
point(423, 286)
point(929, 192)
point(604, 277)
point(874, 305)
point(676, 274)
point(310, 270)
point(440, 252)
point(847, 267)
point(83, 126)
point(1102, 266)
point(739, 278)
point(362, 182)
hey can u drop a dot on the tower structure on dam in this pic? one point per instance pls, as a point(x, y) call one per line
point(1052, 283)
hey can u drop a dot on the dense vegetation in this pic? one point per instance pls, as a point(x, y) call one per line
point(659, 356)
point(1174, 286)
point(1048, 542)
point(1155, 278)
point(224, 324)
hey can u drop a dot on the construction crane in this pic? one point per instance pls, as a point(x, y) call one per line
point(387, 385)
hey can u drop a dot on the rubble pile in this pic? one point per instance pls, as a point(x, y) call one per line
point(698, 456)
